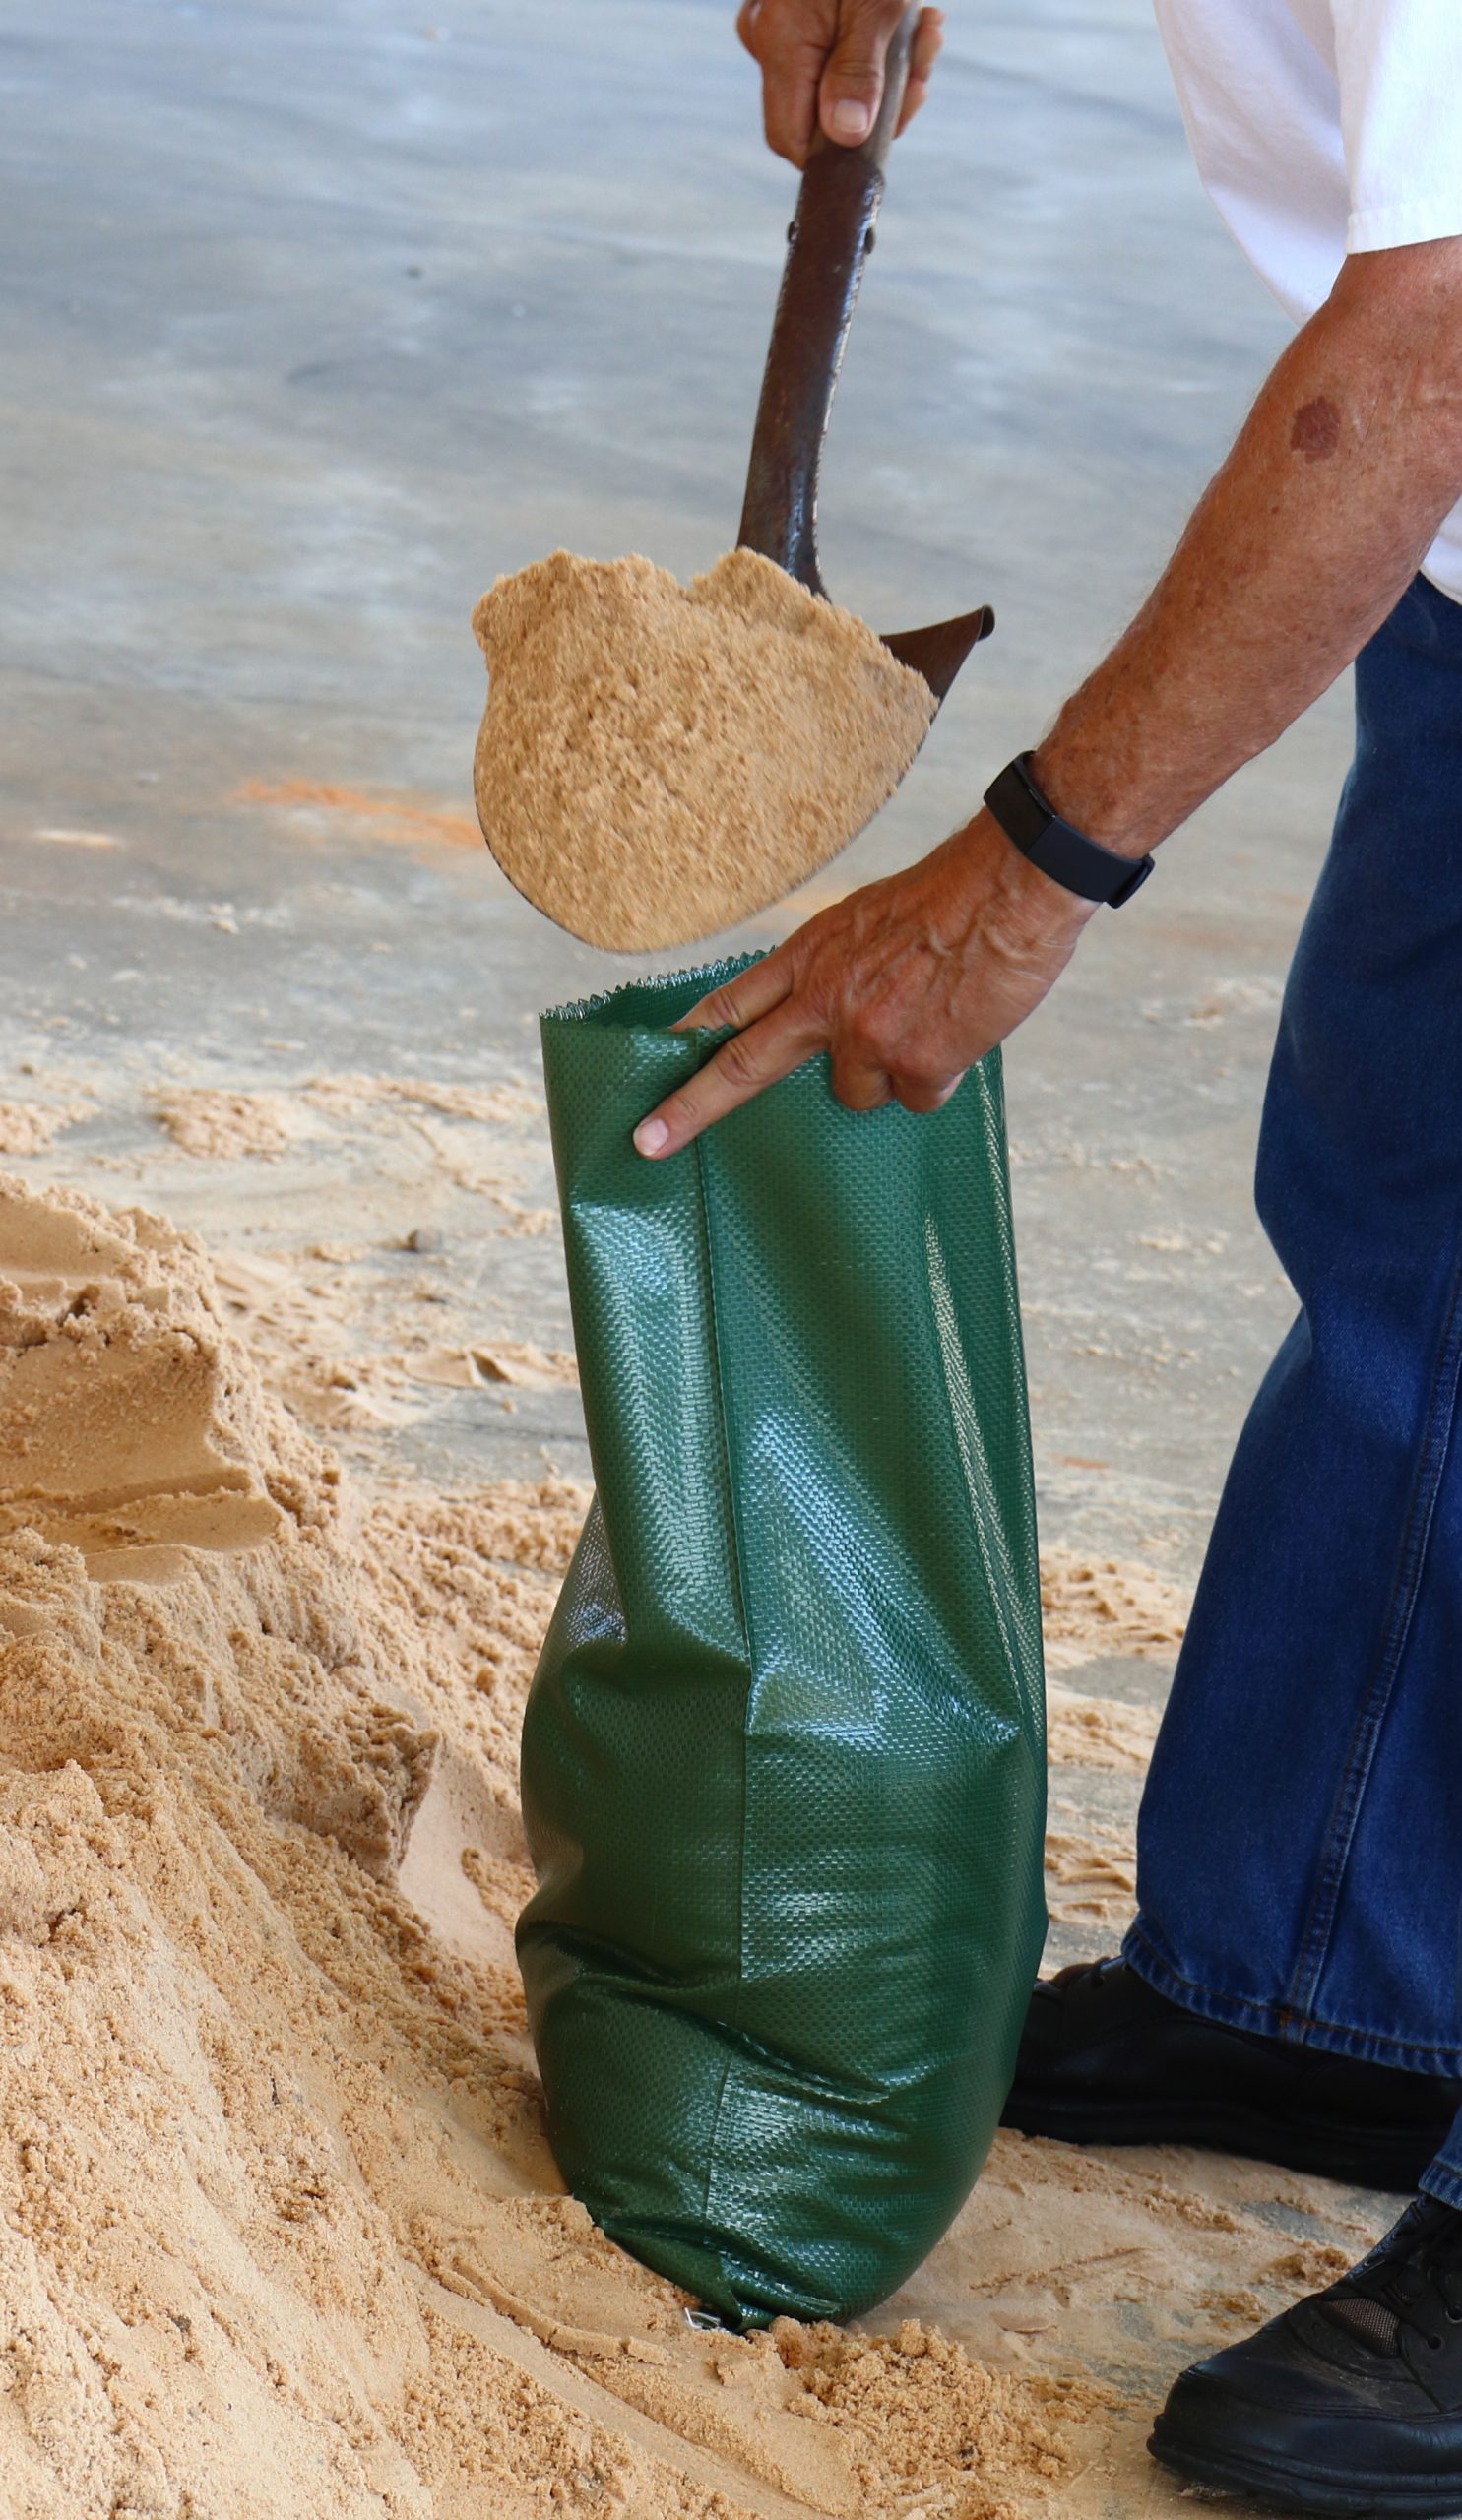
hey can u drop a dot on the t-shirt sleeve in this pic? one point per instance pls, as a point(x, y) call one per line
point(1399, 64)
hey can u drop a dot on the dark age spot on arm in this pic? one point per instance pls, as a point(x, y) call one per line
point(1315, 431)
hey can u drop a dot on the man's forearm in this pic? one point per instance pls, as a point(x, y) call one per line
point(1347, 465)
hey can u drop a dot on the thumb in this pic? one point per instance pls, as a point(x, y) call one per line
point(852, 88)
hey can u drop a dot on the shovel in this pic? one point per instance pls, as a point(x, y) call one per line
point(828, 243)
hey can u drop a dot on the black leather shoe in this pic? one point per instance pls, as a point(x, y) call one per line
point(1351, 2402)
point(1106, 2060)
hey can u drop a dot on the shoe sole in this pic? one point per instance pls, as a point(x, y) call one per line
point(1359, 2157)
point(1293, 2489)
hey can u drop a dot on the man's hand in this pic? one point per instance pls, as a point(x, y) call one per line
point(906, 982)
point(822, 62)
point(1344, 470)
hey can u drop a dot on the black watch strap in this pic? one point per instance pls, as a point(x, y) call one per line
point(1058, 848)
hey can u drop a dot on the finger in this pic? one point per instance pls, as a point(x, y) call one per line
point(916, 94)
point(852, 84)
point(927, 44)
point(791, 57)
point(789, 72)
point(929, 40)
point(859, 1083)
point(916, 97)
point(749, 1062)
point(741, 1001)
point(926, 1098)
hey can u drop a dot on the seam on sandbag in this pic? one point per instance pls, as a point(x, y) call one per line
point(581, 1010)
point(993, 1065)
point(1032, 1511)
point(735, 2026)
point(1000, 1574)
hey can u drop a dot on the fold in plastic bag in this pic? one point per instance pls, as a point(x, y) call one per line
point(783, 1761)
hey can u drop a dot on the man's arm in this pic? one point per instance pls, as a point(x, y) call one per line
point(1321, 516)
point(1297, 550)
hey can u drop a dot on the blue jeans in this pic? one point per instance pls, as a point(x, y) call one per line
point(1299, 1849)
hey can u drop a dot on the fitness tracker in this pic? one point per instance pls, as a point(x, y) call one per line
point(1058, 848)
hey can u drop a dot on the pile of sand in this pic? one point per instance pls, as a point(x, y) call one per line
point(281, 2238)
point(657, 762)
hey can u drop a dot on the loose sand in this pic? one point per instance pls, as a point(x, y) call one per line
point(27, 1128)
point(396, 817)
point(279, 2237)
point(1101, 1605)
point(204, 1120)
point(657, 762)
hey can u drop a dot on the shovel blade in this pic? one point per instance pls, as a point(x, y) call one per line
point(939, 651)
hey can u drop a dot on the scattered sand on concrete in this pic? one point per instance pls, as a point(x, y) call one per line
point(211, 1121)
point(400, 817)
point(513, 1107)
point(339, 1332)
point(1108, 1605)
point(507, 1361)
point(1091, 1878)
point(657, 762)
point(1094, 1606)
point(1099, 1732)
point(27, 1128)
point(1127, 2266)
point(223, 1123)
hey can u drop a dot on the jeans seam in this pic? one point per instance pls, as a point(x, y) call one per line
point(1281, 2012)
point(1314, 1950)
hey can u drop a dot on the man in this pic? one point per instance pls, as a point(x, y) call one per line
point(1289, 1987)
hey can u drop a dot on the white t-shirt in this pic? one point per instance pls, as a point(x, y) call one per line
point(1322, 128)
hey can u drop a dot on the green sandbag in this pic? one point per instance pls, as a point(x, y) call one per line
point(783, 1761)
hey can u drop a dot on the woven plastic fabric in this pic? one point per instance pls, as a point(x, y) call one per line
point(783, 1761)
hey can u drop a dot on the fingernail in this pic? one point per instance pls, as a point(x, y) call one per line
point(651, 1135)
point(850, 120)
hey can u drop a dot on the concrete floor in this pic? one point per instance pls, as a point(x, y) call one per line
point(326, 314)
